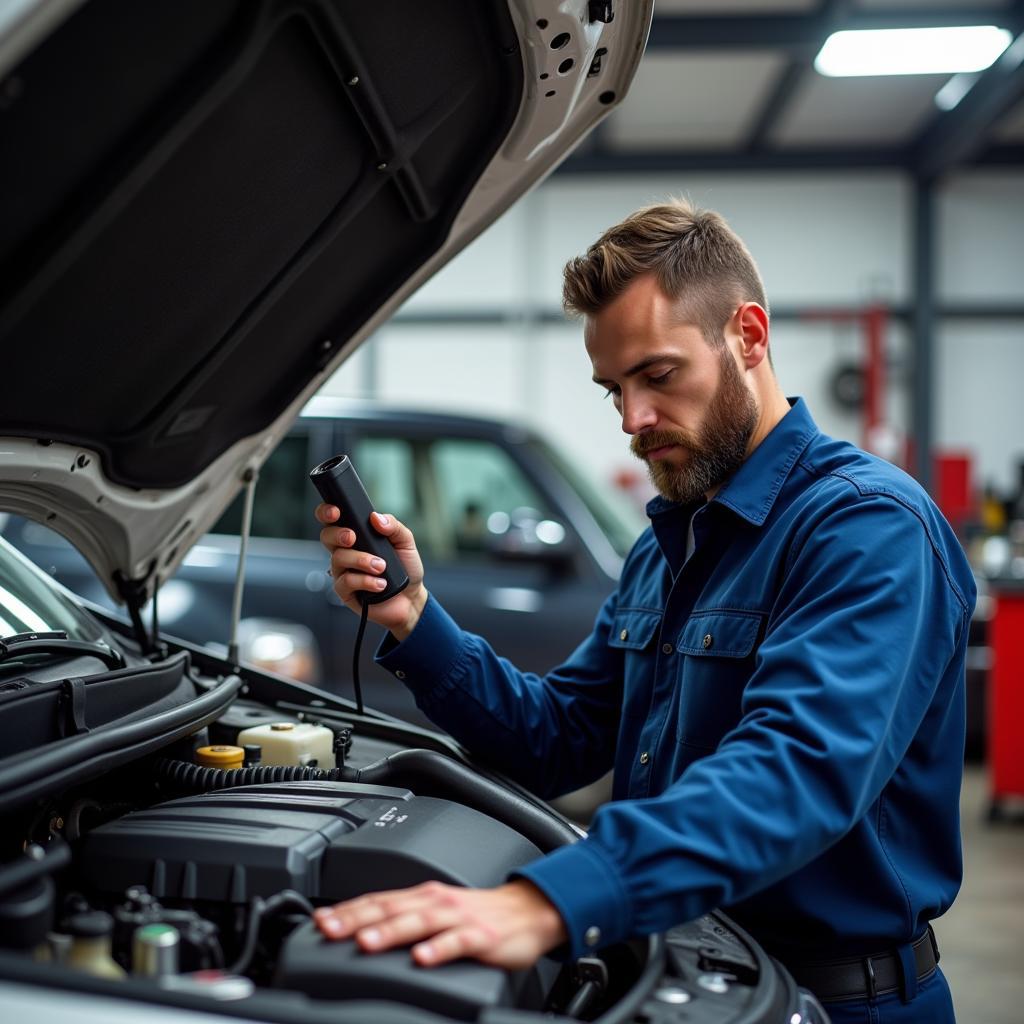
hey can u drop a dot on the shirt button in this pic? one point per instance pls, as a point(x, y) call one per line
point(399, 674)
point(624, 634)
point(645, 757)
point(592, 936)
point(708, 640)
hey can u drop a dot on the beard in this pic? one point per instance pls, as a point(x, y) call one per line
point(715, 451)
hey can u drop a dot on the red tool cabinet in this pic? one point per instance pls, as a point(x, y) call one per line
point(1006, 697)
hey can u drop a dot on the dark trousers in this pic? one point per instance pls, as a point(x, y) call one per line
point(931, 1004)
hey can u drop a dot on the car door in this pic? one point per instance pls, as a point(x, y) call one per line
point(499, 552)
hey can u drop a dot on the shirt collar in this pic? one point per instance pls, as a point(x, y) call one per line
point(753, 488)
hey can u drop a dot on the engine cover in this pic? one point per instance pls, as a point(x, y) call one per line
point(310, 964)
point(328, 841)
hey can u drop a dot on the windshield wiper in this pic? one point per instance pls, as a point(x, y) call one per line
point(57, 642)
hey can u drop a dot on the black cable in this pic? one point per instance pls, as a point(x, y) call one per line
point(73, 819)
point(428, 773)
point(355, 656)
point(258, 909)
point(215, 952)
point(581, 1002)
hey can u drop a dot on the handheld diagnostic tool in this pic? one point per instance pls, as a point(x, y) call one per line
point(339, 484)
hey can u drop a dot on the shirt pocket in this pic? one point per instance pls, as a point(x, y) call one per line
point(632, 637)
point(717, 649)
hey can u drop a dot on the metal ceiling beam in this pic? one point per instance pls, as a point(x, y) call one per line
point(602, 160)
point(638, 161)
point(956, 136)
point(830, 13)
point(769, 117)
point(501, 316)
point(799, 36)
point(801, 31)
point(1008, 155)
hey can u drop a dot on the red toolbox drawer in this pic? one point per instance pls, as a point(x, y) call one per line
point(1006, 696)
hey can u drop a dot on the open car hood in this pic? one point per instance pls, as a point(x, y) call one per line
point(209, 204)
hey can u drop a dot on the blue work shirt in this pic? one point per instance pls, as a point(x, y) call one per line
point(784, 711)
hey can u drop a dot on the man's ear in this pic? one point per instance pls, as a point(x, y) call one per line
point(750, 323)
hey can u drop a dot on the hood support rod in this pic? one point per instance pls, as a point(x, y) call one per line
point(135, 596)
point(250, 476)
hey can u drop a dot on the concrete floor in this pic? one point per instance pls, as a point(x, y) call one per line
point(981, 939)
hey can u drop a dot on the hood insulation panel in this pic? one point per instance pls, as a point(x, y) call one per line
point(213, 197)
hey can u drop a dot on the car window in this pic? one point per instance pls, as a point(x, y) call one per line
point(444, 489)
point(618, 519)
point(385, 466)
point(397, 475)
point(476, 480)
point(29, 603)
point(284, 501)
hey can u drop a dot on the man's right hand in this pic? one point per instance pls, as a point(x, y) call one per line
point(358, 570)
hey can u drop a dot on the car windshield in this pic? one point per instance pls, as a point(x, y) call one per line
point(29, 603)
point(621, 523)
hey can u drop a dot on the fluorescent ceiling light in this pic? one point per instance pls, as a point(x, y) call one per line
point(911, 51)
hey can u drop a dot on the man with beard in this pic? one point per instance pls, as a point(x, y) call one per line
point(778, 679)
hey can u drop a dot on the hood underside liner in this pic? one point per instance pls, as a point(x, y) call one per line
point(275, 172)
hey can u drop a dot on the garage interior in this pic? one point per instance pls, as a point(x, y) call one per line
point(885, 209)
point(887, 216)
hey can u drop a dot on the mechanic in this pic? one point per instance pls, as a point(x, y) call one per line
point(778, 680)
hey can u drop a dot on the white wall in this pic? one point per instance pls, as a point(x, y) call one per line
point(980, 364)
point(821, 241)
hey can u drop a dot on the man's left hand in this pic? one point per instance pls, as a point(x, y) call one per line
point(510, 926)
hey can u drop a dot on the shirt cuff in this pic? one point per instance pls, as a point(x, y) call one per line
point(425, 659)
point(587, 892)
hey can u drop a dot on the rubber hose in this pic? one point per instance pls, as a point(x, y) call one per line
point(428, 773)
point(37, 862)
point(258, 910)
point(197, 778)
point(425, 772)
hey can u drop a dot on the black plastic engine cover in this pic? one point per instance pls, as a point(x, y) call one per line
point(331, 970)
point(328, 841)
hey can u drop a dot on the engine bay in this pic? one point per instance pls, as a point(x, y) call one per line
point(187, 874)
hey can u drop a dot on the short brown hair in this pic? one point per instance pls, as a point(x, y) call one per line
point(696, 256)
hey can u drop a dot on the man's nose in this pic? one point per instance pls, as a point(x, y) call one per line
point(637, 415)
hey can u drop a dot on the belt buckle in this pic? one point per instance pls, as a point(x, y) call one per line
point(869, 977)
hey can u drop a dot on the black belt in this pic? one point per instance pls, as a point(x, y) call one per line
point(867, 976)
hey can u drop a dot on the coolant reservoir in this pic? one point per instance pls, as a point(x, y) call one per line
point(292, 743)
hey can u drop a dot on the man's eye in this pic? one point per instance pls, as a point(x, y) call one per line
point(609, 392)
point(662, 379)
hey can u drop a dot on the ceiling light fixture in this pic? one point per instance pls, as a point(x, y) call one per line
point(911, 51)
